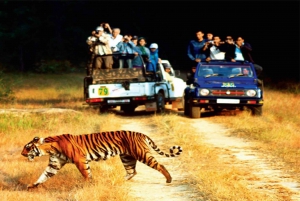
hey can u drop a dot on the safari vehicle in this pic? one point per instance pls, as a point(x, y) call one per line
point(219, 85)
point(132, 87)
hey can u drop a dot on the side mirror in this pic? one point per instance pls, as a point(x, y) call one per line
point(177, 73)
point(189, 75)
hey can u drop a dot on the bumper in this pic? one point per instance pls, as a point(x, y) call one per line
point(225, 103)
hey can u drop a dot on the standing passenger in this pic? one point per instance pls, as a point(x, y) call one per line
point(195, 49)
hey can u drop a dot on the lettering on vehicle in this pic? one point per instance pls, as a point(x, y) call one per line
point(116, 89)
point(228, 84)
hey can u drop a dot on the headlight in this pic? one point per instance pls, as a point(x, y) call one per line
point(204, 92)
point(251, 93)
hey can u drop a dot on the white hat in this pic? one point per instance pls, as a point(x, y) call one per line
point(154, 45)
point(99, 29)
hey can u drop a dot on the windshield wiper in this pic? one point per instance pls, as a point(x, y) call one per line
point(236, 75)
point(209, 75)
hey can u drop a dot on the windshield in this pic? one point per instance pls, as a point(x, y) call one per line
point(229, 71)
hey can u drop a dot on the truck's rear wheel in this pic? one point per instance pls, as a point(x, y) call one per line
point(103, 109)
point(195, 112)
point(160, 103)
point(128, 109)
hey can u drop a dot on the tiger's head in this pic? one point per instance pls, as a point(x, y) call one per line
point(31, 149)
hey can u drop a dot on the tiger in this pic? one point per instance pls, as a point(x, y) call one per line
point(81, 149)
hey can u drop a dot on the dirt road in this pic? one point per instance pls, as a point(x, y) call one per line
point(270, 177)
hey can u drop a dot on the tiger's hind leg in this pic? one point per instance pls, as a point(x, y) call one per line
point(149, 160)
point(129, 163)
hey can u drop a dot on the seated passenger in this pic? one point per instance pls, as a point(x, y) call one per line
point(236, 71)
point(246, 72)
point(214, 50)
point(126, 48)
point(167, 72)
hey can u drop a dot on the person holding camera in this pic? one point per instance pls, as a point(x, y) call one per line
point(241, 51)
point(91, 42)
point(127, 49)
point(102, 51)
point(115, 38)
point(106, 28)
point(214, 50)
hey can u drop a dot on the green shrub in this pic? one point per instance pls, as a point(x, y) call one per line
point(6, 92)
point(54, 66)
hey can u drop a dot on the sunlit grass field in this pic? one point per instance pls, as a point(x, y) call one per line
point(278, 130)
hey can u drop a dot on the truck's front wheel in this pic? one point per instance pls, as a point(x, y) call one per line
point(195, 112)
point(160, 103)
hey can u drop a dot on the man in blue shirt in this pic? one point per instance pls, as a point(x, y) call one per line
point(195, 49)
point(127, 48)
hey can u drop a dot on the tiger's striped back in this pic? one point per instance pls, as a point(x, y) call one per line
point(103, 145)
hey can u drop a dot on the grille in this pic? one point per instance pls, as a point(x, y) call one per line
point(226, 92)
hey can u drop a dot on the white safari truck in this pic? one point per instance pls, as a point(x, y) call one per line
point(132, 87)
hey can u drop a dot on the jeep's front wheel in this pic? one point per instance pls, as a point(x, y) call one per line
point(256, 111)
point(186, 107)
point(195, 112)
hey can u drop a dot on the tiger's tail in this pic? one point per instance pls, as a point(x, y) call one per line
point(170, 154)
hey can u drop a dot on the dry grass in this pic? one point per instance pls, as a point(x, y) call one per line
point(278, 128)
point(207, 174)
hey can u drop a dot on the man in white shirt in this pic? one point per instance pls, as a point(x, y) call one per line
point(114, 39)
point(214, 50)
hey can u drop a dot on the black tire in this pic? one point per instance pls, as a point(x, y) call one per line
point(256, 111)
point(160, 103)
point(86, 82)
point(128, 109)
point(195, 112)
point(103, 109)
point(186, 107)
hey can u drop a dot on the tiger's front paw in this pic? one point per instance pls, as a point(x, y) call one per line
point(31, 186)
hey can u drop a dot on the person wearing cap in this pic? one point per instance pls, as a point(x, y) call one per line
point(154, 58)
point(167, 73)
point(102, 50)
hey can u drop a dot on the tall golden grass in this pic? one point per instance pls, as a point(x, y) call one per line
point(206, 173)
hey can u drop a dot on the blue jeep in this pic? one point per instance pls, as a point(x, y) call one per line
point(218, 85)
